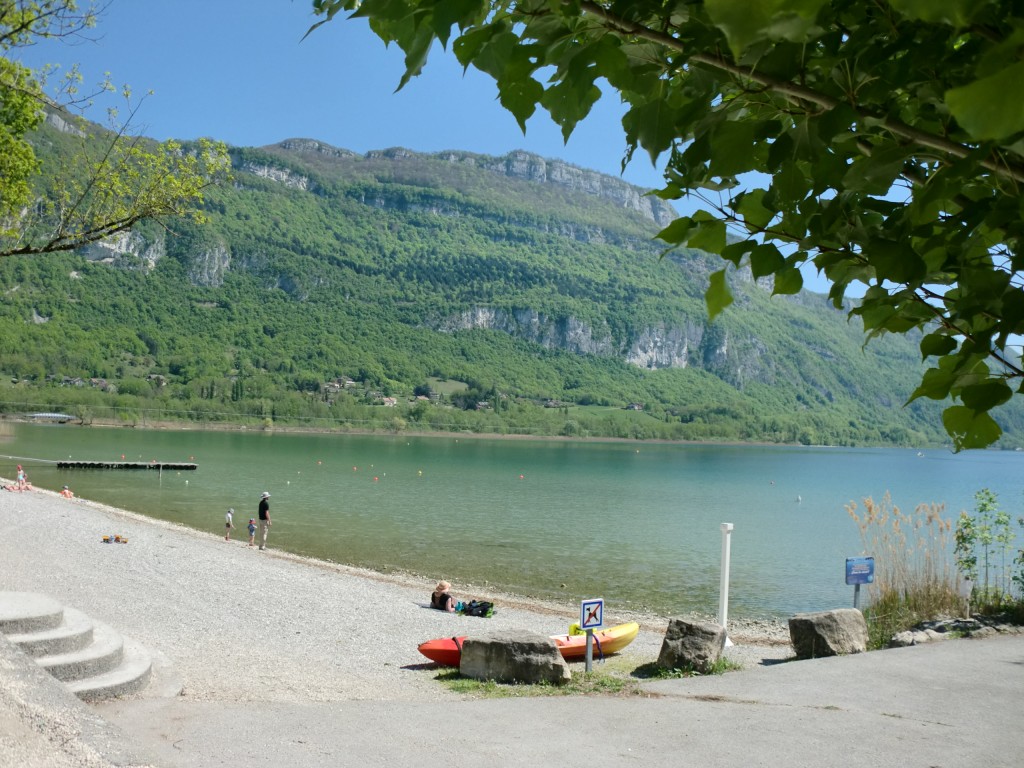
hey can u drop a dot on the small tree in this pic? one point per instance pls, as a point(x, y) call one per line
point(981, 537)
point(112, 181)
point(1018, 562)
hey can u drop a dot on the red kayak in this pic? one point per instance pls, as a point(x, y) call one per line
point(448, 650)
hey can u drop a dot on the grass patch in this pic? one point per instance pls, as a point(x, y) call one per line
point(652, 671)
point(602, 681)
point(595, 683)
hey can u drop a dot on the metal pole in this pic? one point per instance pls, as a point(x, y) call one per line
point(723, 595)
point(590, 648)
point(856, 595)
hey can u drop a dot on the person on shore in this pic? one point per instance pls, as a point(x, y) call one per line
point(23, 483)
point(441, 599)
point(67, 493)
point(229, 523)
point(264, 517)
point(252, 531)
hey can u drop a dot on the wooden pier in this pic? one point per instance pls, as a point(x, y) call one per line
point(125, 465)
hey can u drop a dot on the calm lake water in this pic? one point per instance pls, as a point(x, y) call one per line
point(637, 524)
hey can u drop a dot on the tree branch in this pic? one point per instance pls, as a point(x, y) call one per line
point(1010, 171)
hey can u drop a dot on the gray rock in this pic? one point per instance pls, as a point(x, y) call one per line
point(903, 639)
point(828, 633)
point(692, 645)
point(514, 657)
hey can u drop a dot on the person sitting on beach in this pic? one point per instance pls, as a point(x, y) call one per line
point(440, 598)
point(67, 493)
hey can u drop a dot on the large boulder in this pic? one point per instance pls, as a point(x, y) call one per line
point(692, 645)
point(828, 633)
point(514, 657)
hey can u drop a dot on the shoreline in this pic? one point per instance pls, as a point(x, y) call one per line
point(236, 624)
point(160, 425)
point(760, 630)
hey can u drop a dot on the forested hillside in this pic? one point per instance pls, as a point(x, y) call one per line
point(446, 292)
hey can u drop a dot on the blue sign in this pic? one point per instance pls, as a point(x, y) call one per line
point(592, 613)
point(860, 570)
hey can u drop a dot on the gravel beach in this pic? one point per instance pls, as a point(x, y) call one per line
point(266, 659)
point(238, 624)
point(243, 633)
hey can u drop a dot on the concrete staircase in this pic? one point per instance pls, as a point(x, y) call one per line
point(92, 660)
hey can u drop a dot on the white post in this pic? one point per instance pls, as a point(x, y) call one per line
point(723, 595)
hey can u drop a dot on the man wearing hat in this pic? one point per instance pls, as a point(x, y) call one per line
point(264, 517)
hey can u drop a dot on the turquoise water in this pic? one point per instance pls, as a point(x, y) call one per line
point(637, 524)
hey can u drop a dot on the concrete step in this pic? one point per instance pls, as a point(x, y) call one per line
point(22, 612)
point(73, 634)
point(131, 675)
point(102, 655)
point(92, 659)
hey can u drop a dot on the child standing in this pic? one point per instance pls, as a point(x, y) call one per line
point(228, 524)
point(252, 531)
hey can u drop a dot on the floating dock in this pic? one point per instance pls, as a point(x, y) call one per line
point(125, 465)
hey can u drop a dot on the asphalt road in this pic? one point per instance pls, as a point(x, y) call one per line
point(949, 704)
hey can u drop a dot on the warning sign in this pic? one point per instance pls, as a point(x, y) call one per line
point(592, 613)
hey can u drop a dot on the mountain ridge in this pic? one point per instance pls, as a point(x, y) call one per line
point(445, 275)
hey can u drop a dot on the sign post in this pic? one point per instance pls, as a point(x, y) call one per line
point(859, 570)
point(591, 618)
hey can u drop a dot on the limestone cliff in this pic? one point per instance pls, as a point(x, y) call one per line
point(518, 165)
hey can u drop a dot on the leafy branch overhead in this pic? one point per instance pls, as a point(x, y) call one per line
point(111, 180)
point(882, 142)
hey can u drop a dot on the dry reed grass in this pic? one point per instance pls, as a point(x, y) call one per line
point(916, 577)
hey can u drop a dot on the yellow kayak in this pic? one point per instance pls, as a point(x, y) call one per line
point(606, 641)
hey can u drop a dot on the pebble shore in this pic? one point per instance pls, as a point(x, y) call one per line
point(234, 624)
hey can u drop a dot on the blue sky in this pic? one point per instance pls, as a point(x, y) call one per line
point(239, 71)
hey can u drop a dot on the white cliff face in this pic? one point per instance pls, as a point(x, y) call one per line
point(280, 175)
point(130, 250)
point(319, 147)
point(524, 165)
point(126, 249)
point(690, 345)
point(568, 333)
point(62, 125)
point(659, 347)
point(208, 267)
point(518, 164)
point(663, 347)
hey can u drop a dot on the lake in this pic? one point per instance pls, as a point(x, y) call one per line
point(636, 523)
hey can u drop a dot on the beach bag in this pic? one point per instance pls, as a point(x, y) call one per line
point(478, 608)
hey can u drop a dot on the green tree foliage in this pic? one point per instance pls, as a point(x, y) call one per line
point(881, 141)
point(113, 180)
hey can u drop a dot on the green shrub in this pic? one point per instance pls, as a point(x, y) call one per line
point(984, 546)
